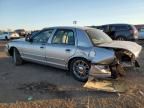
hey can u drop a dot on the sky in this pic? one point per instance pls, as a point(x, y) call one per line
point(38, 14)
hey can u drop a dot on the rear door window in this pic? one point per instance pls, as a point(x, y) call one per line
point(64, 36)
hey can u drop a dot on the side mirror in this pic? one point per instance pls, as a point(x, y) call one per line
point(28, 39)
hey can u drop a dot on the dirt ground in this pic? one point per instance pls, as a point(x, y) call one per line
point(54, 87)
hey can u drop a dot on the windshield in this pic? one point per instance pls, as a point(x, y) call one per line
point(98, 36)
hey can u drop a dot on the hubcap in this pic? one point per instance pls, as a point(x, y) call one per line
point(81, 69)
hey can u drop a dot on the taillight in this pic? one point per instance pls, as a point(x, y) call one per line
point(134, 32)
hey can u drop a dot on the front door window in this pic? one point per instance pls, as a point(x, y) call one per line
point(42, 37)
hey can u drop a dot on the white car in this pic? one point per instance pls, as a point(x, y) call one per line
point(141, 33)
point(9, 35)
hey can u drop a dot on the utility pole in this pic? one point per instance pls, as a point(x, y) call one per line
point(75, 22)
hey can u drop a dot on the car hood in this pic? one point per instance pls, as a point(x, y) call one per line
point(126, 45)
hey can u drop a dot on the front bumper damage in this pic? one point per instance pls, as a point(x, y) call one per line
point(114, 70)
point(104, 75)
point(125, 55)
point(102, 78)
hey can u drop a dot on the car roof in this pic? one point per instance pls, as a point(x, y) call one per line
point(118, 24)
point(69, 27)
point(20, 30)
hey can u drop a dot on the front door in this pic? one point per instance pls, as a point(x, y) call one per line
point(35, 50)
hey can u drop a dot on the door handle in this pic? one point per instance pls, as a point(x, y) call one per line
point(41, 47)
point(67, 50)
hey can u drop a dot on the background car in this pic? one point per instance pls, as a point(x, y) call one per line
point(9, 35)
point(141, 33)
point(34, 32)
point(21, 32)
point(120, 31)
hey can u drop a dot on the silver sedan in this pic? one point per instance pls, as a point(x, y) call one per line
point(76, 49)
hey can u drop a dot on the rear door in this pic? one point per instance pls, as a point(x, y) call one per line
point(62, 47)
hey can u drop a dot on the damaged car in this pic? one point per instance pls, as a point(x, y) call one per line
point(77, 49)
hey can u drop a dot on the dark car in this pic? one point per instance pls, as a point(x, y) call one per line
point(21, 32)
point(120, 31)
point(32, 33)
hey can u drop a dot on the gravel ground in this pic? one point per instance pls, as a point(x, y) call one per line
point(54, 87)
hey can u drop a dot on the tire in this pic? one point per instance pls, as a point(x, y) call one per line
point(16, 57)
point(6, 38)
point(80, 69)
point(121, 38)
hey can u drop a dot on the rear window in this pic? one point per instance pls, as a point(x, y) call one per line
point(120, 27)
point(97, 36)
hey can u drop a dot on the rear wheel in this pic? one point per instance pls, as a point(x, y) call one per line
point(16, 57)
point(80, 69)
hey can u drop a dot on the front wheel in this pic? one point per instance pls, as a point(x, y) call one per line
point(80, 69)
point(17, 60)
